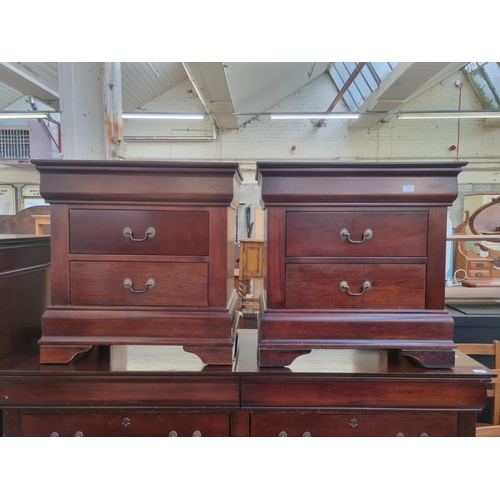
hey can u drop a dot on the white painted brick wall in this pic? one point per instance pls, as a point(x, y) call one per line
point(264, 139)
point(404, 140)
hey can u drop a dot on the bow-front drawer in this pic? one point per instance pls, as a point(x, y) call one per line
point(355, 285)
point(138, 232)
point(139, 283)
point(356, 234)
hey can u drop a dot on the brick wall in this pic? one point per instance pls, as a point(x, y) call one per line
point(398, 140)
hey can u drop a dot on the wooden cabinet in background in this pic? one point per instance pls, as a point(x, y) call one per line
point(251, 259)
point(24, 289)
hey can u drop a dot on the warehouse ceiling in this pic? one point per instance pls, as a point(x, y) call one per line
point(225, 89)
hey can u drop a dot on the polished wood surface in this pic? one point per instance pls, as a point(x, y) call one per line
point(168, 227)
point(333, 228)
point(176, 232)
point(24, 288)
point(152, 390)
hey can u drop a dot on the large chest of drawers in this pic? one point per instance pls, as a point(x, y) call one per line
point(142, 253)
point(162, 391)
point(356, 258)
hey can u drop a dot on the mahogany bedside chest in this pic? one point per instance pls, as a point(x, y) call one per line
point(356, 259)
point(142, 253)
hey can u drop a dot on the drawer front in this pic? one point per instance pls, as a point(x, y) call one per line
point(126, 424)
point(318, 234)
point(102, 232)
point(479, 269)
point(103, 284)
point(353, 424)
point(392, 285)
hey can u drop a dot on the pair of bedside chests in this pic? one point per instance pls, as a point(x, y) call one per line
point(142, 252)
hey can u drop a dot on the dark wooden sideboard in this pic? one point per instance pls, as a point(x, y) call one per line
point(24, 288)
point(164, 391)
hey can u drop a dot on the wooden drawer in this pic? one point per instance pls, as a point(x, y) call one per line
point(352, 424)
point(479, 269)
point(126, 424)
point(102, 283)
point(102, 232)
point(392, 285)
point(317, 234)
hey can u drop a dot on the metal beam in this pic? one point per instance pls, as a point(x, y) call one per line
point(28, 84)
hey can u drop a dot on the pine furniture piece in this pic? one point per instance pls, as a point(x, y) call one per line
point(163, 391)
point(356, 259)
point(142, 253)
point(476, 246)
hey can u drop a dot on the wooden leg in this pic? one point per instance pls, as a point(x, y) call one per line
point(61, 354)
point(280, 357)
point(432, 358)
point(212, 355)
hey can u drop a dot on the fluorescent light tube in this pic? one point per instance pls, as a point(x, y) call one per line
point(165, 116)
point(314, 116)
point(21, 115)
point(432, 115)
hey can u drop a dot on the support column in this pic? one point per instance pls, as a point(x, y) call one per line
point(90, 97)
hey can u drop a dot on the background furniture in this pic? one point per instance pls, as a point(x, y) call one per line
point(476, 245)
point(25, 221)
point(163, 391)
point(142, 253)
point(356, 259)
point(492, 350)
point(24, 289)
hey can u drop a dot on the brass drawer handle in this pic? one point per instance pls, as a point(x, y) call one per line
point(344, 287)
point(345, 235)
point(353, 423)
point(127, 283)
point(150, 232)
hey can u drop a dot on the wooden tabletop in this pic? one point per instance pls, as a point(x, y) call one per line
point(158, 360)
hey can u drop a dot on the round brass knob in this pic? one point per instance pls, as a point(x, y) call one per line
point(78, 434)
point(282, 434)
point(307, 434)
point(54, 435)
point(173, 434)
point(196, 434)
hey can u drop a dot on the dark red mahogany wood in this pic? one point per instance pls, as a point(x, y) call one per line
point(165, 227)
point(317, 216)
point(162, 391)
point(24, 289)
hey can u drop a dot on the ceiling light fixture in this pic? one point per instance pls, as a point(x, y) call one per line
point(433, 115)
point(15, 115)
point(164, 116)
point(314, 116)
